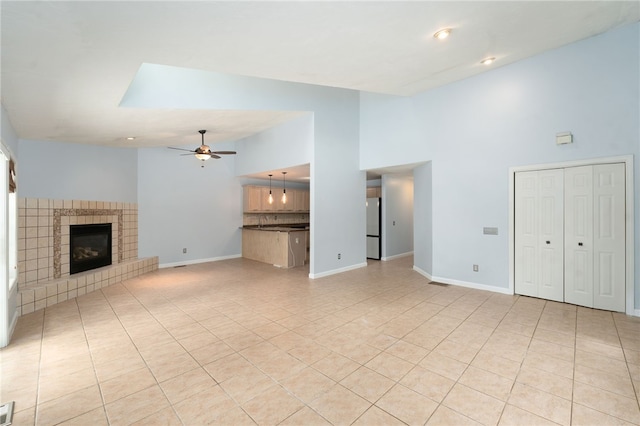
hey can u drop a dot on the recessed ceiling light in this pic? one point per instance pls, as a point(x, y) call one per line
point(442, 34)
point(488, 61)
point(131, 138)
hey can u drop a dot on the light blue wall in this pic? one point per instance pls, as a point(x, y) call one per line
point(475, 129)
point(183, 205)
point(286, 145)
point(397, 215)
point(9, 137)
point(67, 171)
point(423, 219)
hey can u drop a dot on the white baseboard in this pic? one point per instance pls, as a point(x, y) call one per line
point(466, 284)
point(397, 256)
point(423, 273)
point(338, 271)
point(636, 313)
point(193, 262)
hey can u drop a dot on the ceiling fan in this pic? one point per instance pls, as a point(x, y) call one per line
point(203, 152)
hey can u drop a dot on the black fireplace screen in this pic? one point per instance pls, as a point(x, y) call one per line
point(90, 247)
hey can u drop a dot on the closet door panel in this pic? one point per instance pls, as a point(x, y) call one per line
point(526, 233)
point(609, 237)
point(578, 280)
point(551, 234)
point(539, 234)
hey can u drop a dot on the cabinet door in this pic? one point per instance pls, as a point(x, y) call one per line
point(374, 192)
point(301, 201)
point(252, 199)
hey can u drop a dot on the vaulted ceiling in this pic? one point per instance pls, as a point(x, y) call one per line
point(66, 65)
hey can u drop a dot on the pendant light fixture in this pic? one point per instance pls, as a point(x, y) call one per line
point(284, 188)
point(270, 195)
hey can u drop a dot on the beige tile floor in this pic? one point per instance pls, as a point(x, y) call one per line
point(240, 343)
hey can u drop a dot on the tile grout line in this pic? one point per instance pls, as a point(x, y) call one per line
point(626, 361)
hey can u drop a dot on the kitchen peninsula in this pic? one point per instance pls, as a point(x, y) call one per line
point(282, 246)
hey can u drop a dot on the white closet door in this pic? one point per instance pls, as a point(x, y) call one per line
point(609, 237)
point(578, 281)
point(595, 236)
point(539, 234)
point(526, 233)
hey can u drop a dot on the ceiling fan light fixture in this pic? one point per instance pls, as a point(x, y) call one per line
point(203, 152)
point(442, 34)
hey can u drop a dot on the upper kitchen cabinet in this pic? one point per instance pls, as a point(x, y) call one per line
point(374, 192)
point(256, 200)
point(301, 200)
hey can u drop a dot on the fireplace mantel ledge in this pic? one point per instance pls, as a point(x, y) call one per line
point(40, 295)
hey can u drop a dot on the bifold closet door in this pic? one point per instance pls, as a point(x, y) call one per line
point(595, 236)
point(539, 244)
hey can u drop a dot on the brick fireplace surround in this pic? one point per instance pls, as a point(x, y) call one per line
point(43, 249)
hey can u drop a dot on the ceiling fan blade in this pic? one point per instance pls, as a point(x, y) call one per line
point(223, 152)
point(215, 156)
point(181, 149)
point(186, 154)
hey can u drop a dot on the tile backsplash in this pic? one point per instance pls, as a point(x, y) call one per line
point(273, 218)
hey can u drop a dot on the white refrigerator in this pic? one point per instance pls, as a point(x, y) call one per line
point(373, 228)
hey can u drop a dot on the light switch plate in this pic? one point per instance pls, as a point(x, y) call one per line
point(564, 138)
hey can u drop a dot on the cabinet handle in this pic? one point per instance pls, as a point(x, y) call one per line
point(580, 244)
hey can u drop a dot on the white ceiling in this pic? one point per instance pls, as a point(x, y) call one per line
point(66, 65)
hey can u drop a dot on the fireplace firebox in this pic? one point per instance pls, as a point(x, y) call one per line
point(90, 247)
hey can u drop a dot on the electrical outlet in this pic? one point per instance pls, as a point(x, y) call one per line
point(184, 250)
point(394, 223)
point(475, 268)
point(339, 256)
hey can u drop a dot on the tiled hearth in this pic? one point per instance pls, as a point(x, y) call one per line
point(43, 249)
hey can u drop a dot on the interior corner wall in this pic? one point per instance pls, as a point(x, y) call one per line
point(423, 219)
point(69, 171)
point(397, 215)
point(182, 205)
point(338, 188)
point(474, 130)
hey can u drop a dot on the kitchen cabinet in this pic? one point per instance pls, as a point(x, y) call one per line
point(301, 201)
point(255, 200)
point(374, 192)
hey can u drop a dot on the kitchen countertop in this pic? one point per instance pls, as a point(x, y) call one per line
point(278, 228)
